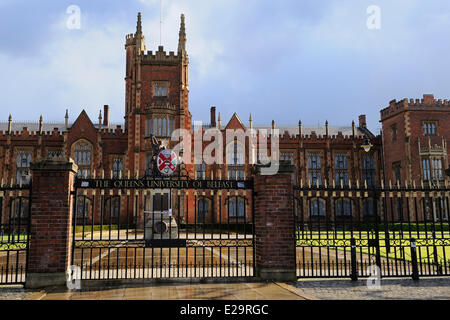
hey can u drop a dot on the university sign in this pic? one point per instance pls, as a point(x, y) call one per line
point(163, 184)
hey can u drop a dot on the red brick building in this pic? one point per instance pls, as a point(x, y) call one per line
point(157, 103)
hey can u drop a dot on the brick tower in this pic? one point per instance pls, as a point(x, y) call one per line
point(157, 95)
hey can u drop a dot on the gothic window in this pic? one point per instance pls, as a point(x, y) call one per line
point(314, 168)
point(82, 157)
point(20, 208)
point(235, 161)
point(160, 90)
point(341, 167)
point(201, 170)
point(317, 207)
point(396, 167)
point(287, 156)
point(436, 169)
point(394, 132)
point(112, 209)
point(368, 210)
point(429, 128)
point(160, 202)
point(84, 208)
point(24, 159)
point(368, 169)
point(236, 207)
point(426, 173)
point(117, 167)
point(343, 207)
point(203, 209)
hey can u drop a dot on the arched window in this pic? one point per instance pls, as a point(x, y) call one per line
point(112, 210)
point(236, 207)
point(343, 207)
point(83, 209)
point(82, 156)
point(203, 209)
point(317, 207)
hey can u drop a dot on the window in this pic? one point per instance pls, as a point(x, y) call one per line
point(82, 158)
point(343, 207)
point(235, 161)
point(314, 168)
point(20, 208)
point(203, 206)
point(159, 127)
point(368, 210)
point(236, 207)
point(440, 209)
point(394, 132)
point(84, 207)
point(112, 208)
point(235, 154)
point(436, 169)
point(368, 169)
point(23, 166)
point(171, 127)
point(317, 207)
point(341, 167)
point(287, 156)
point(201, 171)
point(429, 128)
point(160, 202)
point(117, 167)
point(426, 173)
point(160, 90)
point(396, 167)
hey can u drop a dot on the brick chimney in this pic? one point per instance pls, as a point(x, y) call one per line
point(106, 116)
point(362, 121)
point(213, 117)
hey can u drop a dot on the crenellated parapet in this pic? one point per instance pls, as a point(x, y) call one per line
point(160, 57)
point(118, 132)
point(428, 103)
point(25, 133)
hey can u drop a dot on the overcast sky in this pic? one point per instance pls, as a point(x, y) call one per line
point(281, 60)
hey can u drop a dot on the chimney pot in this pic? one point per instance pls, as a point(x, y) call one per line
point(106, 116)
point(213, 117)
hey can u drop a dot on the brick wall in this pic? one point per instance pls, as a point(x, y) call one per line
point(51, 217)
point(274, 226)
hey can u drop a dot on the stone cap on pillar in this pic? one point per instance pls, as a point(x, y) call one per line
point(54, 164)
point(285, 167)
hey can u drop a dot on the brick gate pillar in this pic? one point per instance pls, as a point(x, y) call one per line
point(50, 243)
point(274, 226)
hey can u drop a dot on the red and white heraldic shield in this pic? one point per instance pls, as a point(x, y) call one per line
point(167, 162)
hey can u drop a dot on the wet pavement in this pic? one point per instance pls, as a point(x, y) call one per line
point(329, 289)
point(230, 291)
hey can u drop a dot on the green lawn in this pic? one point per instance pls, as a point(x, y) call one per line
point(13, 242)
point(399, 243)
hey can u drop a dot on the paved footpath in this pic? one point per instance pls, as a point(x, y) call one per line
point(332, 289)
point(397, 289)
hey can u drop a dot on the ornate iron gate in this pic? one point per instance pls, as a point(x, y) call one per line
point(163, 228)
point(345, 231)
point(15, 204)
